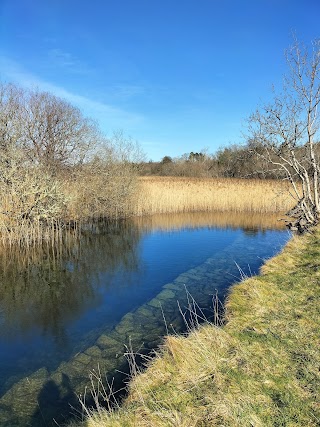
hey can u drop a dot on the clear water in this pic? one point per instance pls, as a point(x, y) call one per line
point(65, 311)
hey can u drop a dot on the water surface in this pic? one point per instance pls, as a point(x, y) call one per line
point(67, 310)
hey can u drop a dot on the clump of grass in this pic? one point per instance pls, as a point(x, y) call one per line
point(260, 369)
point(173, 194)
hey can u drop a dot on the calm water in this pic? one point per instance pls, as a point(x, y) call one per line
point(67, 310)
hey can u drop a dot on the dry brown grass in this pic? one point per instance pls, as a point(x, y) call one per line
point(172, 194)
point(38, 207)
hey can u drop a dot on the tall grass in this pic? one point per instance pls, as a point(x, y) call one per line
point(25, 233)
point(39, 208)
point(172, 194)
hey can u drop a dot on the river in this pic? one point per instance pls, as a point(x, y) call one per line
point(75, 308)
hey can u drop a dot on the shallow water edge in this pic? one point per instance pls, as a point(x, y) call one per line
point(46, 395)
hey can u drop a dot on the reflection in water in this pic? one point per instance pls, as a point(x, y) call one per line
point(67, 309)
point(48, 286)
point(231, 220)
point(251, 231)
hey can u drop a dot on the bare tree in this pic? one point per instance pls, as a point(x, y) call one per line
point(55, 132)
point(10, 125)
point(286, 132)
point(27, 191)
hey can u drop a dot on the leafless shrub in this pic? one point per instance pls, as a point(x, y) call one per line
point(106, 186)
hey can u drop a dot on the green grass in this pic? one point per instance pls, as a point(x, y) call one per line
point(260, 369)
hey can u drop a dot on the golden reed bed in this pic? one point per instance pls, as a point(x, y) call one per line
point(159, 195)
point(172, 195)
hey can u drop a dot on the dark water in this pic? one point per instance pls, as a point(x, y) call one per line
point(67, 310)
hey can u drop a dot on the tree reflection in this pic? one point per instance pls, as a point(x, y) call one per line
point(46, 287)
point(251, 232)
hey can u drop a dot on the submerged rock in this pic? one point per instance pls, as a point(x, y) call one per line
point(166, 294)
point(174, 286)
point(21, 401)
point(107, 342)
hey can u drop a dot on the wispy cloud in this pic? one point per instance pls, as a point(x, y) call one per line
point(108, 116)
point(59, 58)
point(128, 91)
point(62, 58)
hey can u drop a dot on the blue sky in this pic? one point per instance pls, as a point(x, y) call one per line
point(177, 76)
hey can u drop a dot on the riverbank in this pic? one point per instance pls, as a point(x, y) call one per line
point(99, 192)
point(261, 368)
point(112, 288)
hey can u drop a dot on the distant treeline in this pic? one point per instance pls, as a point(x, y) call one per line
point(247, 160)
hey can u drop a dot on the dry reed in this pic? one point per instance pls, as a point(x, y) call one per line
point(172, 194)
point(95, 195)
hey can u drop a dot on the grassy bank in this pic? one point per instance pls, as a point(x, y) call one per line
point(172, 194)
point(260, 369)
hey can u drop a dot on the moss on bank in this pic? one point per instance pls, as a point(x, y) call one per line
point(260, 369)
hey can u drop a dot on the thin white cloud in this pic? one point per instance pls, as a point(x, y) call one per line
point(126, 92)
point(58, 58)
point(62, 58)
point(108, 116)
